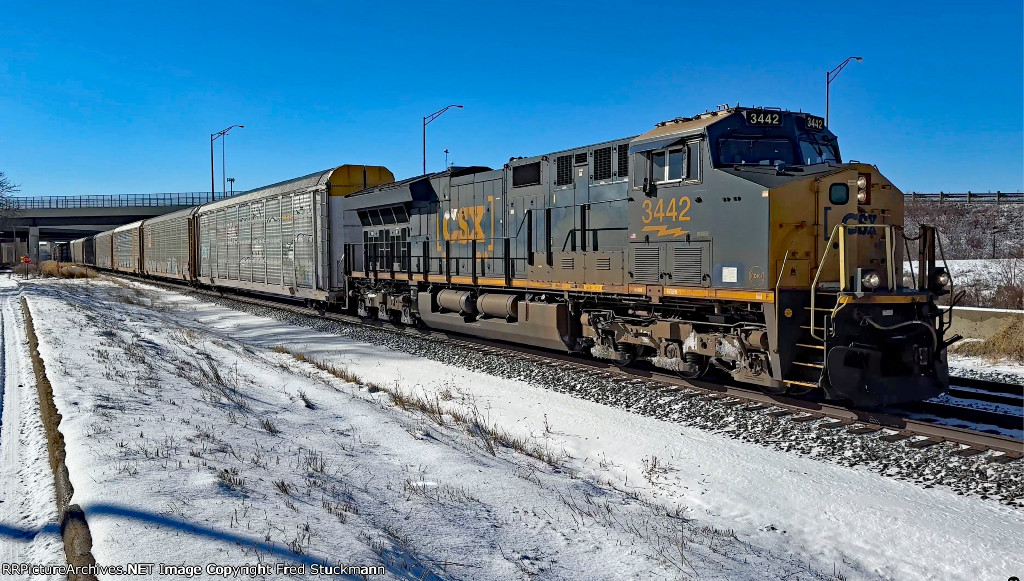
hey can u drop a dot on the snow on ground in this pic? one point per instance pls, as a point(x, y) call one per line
point(28, 506)
point(973, 271)
point(191, 439)
point(981, 368)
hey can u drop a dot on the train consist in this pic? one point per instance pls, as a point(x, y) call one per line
point(736, 240)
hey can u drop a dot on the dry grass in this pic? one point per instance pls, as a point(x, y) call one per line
point(1006, 343)
point(490, 436)
point(54, 269)
point(341, 373)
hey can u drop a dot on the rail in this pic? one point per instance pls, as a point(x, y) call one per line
point(115, 201)
point(968, 197)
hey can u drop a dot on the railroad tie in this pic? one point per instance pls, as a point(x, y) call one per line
point(858, 430)
point(835, 424)
point(901, 435)
point(927, 442)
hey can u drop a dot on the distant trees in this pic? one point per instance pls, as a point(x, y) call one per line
point(8, 205)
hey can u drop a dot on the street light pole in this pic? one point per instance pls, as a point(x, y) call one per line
point(213, 137)
point(426, 121)
point(831, 76)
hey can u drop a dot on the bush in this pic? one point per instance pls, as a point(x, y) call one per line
point(49, 268)
point(1006, 343)
point(54, 269)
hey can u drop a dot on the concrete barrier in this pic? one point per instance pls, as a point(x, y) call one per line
point(978, 323)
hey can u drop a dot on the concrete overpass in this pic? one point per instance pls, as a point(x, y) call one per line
point(65, 218)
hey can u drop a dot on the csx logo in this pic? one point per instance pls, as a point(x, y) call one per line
point(467, 223)
point(851, 219)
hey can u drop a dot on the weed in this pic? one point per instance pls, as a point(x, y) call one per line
point(283, 487)
point(270, 427)
point(230, 479)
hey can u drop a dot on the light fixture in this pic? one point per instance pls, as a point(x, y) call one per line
point(871, 280)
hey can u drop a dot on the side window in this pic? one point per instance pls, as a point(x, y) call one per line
point(675, 164)
point(839, 194)
point(693, 161)
point(658, 166)
point(668, 165)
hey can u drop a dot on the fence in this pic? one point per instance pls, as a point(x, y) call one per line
point(969, 197)
point(115, 201)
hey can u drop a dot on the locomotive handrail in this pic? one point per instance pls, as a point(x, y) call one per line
point(817, 275)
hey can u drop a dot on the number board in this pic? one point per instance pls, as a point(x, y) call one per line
point(764, 118)
point(814, 123)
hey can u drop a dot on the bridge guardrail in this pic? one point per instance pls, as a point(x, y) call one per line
point(114, 201)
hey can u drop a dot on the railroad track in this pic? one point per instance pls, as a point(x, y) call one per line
point(895, 426)
point(987, 391)
point(975, 402)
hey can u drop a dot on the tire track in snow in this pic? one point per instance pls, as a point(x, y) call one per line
point(28, 517)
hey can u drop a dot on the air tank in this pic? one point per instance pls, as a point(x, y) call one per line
point(459, 301)
point(495, 305)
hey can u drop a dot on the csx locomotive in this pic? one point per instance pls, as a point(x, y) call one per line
point(736, 240)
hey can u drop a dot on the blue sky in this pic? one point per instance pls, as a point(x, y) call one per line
point(122, 97)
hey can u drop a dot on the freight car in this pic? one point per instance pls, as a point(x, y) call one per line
point(104, 250)
point(127, 252)
point(83, 250)
point(167, 251)
point(278, 239)
point(736, 240)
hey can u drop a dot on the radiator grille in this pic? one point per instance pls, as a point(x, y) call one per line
point(581, 158)
point(568, 263)
point(603, 263)
point(623, 160)
point(688, 265)
point(602, 163)
point(646, 264)
point(563, 170)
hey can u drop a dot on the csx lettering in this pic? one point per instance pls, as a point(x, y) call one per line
point(861, 218)
point(675, 212)
point(470, 225)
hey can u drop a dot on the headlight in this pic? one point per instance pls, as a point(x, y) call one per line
point(871, 280)
point(863, 189)
point(943, 279)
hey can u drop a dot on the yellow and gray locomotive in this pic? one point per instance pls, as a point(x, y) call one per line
point(736, 240)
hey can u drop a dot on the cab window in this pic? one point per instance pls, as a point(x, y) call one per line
point(839, 194)
point(668, 165)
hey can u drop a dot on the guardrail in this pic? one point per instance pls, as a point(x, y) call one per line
point(115, 201)
point(968, 197)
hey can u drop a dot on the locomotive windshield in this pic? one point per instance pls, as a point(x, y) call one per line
point(770, 138)
point(755, 150)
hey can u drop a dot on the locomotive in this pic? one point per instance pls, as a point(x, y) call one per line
point(735, 240)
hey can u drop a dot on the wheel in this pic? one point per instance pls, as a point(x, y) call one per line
point(699, 364)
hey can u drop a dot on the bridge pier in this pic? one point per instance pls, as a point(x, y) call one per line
point(33, 244)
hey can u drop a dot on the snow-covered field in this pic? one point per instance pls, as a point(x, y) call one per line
point(195, 436)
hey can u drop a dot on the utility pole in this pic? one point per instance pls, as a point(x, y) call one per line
point(831, 76)
point(426, 121)
point(213, 137)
